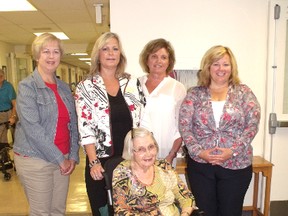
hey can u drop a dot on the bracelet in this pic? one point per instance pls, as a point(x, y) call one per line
point(13, 116)
point(96, 161)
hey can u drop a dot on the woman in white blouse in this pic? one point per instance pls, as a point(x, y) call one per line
point(164, 96)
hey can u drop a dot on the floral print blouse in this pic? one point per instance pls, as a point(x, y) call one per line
point(131, 197)
point(92, 106)
point(237, 127)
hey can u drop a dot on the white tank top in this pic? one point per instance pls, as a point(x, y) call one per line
point(217, 107)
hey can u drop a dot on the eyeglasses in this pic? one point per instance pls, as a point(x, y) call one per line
point(142, 150)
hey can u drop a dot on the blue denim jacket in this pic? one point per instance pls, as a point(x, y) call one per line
point(38, 114)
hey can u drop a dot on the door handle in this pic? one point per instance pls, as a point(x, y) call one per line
point(274, 123)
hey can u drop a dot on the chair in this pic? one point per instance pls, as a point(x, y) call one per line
point(109, 166)
point(197, 212)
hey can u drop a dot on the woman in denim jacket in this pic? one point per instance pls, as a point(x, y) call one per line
point(108, 103)
point(46, 140)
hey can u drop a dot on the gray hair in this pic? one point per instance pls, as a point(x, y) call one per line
point(128, 141)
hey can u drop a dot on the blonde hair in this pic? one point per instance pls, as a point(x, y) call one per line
point(99, 44)
point(128, 141)
point(40, 41)
point(214, 54)
point(152, 47)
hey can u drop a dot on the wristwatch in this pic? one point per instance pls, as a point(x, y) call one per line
point(92, 163)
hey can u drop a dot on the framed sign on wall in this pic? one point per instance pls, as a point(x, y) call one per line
point(4, 68)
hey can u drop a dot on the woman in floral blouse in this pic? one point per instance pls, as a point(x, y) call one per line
point(108, 104)
point(143, 186)
point(218, 121)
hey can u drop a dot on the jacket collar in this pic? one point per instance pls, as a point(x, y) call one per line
point(39, 81)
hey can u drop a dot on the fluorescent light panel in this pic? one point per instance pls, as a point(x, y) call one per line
point(84, 59)
point(59, 35)
point(16, 5)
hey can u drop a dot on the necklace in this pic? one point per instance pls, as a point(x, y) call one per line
point(145, 178)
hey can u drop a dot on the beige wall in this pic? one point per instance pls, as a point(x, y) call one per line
point(19, 65)
point(193, 26)
point(5, 49)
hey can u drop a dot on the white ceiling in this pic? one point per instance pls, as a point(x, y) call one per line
point(76, 18)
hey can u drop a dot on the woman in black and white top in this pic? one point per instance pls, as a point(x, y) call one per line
point(109, 103)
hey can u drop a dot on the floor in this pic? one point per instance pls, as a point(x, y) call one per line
point(279, 207)
point(13, 201)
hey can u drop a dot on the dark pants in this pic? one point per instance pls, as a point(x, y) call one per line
point(96, 191)
point(218, 191)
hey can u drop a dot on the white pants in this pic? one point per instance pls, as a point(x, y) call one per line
point(45, 188)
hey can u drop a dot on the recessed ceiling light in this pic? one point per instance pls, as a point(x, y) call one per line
point(16, 5)
point(59, 35)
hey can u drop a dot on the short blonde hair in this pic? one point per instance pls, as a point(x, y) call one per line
point(99, 44)
point(214, 54)
point(152, 47)
point(40, 41)
point(128, 141)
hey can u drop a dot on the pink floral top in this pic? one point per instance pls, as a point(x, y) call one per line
point(237, 127)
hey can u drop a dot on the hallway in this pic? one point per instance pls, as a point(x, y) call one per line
point(13, 200)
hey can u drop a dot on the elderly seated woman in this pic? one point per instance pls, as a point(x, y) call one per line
point(143, 185)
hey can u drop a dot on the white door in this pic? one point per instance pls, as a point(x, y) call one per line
point(276, 145)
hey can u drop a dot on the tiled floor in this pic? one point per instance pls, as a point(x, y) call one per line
point(13, 201)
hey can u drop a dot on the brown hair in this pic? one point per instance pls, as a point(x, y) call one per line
point(152, 47)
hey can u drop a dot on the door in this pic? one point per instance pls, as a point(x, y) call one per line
point(276, 138)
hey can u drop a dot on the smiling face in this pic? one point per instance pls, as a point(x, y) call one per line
point(49, 57)
point(144, 151)
point(158, 62)
point(109, 55)
point(220, 71)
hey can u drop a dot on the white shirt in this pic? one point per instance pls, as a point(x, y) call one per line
point(161, 112)
point(217, 107)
